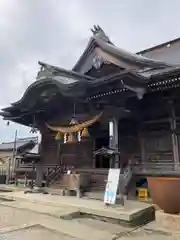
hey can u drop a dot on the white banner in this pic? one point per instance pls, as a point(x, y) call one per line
point(111, 186)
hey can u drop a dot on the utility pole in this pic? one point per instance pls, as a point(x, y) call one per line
point(12, 161)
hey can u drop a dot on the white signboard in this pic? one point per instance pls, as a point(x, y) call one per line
point(111, 186)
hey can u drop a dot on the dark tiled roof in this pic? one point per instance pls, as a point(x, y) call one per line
point(151, 73)
point(128, 56)
point(34, 150)
point(60, 72)
point(164, 44)
point(19, 143)
point(74, 84)
point(106, 151)
point(107, 46)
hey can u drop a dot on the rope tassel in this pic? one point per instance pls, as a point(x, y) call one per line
point(59, 136)
point(85, 133)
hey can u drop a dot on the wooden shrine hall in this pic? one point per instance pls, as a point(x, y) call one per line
point(111, 98)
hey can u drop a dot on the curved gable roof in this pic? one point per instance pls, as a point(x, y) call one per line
point(100, 39)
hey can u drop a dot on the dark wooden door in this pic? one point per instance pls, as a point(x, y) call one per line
point(78, 155)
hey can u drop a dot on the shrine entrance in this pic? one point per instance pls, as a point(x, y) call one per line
point(102, 161)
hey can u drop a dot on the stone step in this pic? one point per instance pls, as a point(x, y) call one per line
point(165, 222)
point(133, 212)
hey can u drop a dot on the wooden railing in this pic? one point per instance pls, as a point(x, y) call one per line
point(157, 169)
point(51, 171)
point(163, 167)
point(20, 165)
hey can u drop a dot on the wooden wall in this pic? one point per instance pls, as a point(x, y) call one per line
point(158, 148)
point(49, 148)
point(72, 154)
point(78, 155)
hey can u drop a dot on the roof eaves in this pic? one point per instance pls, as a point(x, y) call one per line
point(165, 72)
point(66, 72)
point(35, 85)
point(10, 146)
point(127, 56)
point(90, 47)
point(104, 80)
point(158, 46)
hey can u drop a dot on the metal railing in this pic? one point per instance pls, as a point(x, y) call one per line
point(52, 174)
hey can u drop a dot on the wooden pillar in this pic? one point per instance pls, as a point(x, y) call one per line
point(39, 174)
point(59, 152)
point(39, 165)
point(25, 179)
point(173, 125)
point(116, 139)
point(93, 155)
point(143, 150)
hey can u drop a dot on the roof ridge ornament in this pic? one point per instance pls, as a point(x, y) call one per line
point(99, 33)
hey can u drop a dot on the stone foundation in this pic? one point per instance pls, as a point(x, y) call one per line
point(168, 221)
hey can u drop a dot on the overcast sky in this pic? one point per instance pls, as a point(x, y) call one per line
point(57, 31)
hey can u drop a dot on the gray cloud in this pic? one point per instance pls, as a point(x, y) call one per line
point(56, 31)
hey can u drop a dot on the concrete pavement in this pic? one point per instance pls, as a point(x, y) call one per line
point(36, 220)
point(37, 216)
point(14, 219)
point(129, 212)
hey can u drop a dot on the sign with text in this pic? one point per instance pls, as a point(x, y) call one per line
point(112, 186)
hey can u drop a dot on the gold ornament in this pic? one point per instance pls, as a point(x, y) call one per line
point(85, 133)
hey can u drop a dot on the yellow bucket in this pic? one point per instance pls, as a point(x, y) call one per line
point(143, 194)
